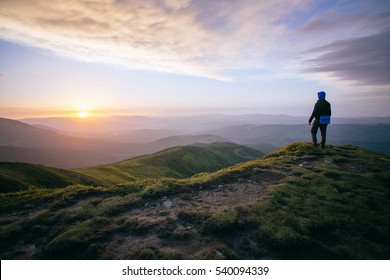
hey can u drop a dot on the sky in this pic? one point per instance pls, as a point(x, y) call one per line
point(172, 57)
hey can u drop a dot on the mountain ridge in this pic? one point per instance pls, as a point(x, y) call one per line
point(174, 162)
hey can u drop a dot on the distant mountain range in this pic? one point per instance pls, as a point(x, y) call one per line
point(126, 127)
point(49, 141)
point(375, 137)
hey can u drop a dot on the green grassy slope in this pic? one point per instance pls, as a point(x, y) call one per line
point(333, 204)
point(21, 176)
point(177, 162)
point(296, 203)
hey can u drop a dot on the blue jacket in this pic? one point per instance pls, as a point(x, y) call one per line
point(321, 108)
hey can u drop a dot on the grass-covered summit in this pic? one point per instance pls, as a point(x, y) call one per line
point(296, 203)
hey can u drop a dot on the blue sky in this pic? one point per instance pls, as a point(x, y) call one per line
point(192, 56)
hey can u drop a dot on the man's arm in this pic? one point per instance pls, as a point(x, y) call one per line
point(313, 114)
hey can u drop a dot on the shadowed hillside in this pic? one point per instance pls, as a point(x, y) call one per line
point(177, 162)
point(296, 203)
point(21, 176)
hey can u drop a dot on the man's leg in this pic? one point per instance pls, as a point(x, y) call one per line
point(314, 130)
point(323, 134)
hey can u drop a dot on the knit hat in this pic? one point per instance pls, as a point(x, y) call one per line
point(321, 95)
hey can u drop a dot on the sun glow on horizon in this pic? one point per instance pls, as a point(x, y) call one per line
point(83, 110)
point(83, 114)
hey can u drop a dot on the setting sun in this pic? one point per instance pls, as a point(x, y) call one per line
point(83, 114)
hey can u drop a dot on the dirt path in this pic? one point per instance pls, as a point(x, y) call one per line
point(170, 223)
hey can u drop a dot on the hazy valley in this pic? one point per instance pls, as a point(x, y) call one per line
point(73, 143)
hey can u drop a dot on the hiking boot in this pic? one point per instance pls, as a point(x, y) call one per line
point(322, 146)
point(315, 145)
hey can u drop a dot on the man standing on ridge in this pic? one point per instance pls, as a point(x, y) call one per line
point(321, 115)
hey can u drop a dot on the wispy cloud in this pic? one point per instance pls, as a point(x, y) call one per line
point(364, 60)
point(208, 38)
point(352, 48)
point(181, 36)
